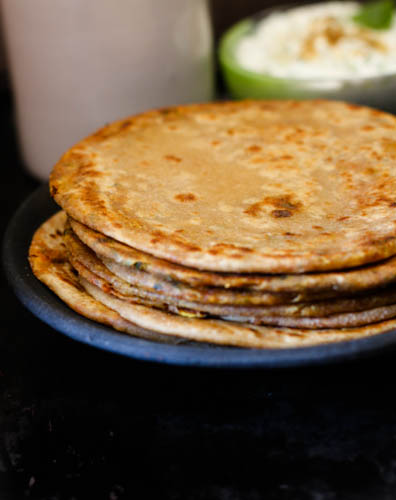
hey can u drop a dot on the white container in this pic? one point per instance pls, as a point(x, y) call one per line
point(78, 64)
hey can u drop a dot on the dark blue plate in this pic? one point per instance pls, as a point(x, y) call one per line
point(50, 309)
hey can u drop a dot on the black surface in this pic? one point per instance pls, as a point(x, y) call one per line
point(79, 423)
point(45, 305)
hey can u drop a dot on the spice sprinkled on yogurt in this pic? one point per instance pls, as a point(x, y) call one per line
point(318, 41)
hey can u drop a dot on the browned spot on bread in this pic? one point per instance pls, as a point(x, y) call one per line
point(284, 203)
point(185, 197)
point(317, 227)
point(281, 213)
point(353, 107)
point(281, 158)
point(345, 217)
point(125, 124)
point(367, 128)
point(223, 247)
point(173, 158)
point(254, 148)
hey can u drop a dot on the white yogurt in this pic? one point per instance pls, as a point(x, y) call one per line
point(318, 41)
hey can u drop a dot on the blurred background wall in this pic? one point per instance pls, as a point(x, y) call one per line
point(224, 14)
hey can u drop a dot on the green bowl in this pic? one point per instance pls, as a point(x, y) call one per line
point(241, 83)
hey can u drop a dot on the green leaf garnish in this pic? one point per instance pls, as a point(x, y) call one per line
point(377, 15)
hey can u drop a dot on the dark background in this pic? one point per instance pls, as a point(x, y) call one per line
point(77, 423)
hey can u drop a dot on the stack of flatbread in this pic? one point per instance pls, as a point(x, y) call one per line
point(259, 224)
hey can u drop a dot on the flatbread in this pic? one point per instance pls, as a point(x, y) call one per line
point(49, 262)
point(345, 281)
point(136, 282)
point(97, 274)
point(48, 259)
point(266, 186)
point(230, 333)
point(336, 313)
point(260, 316)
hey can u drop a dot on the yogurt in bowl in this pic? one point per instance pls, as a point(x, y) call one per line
point(313, 50)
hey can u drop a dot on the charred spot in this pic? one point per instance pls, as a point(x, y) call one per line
point(254, 148)
point(393, 204)
point(125, 124)
point(185, 197)
point(165, 111)
point(191, 248)
point(376, 156)
point(340, 219)
point(284, 206)
point(289, 234)
point(245, 249)
point(281, 158)
point(281, 213)
point(222, 247)
point(174, 158)
point(58, 260)
point(318, 227)
point(53, 190)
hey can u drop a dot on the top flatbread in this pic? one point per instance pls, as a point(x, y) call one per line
point(270, 187)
